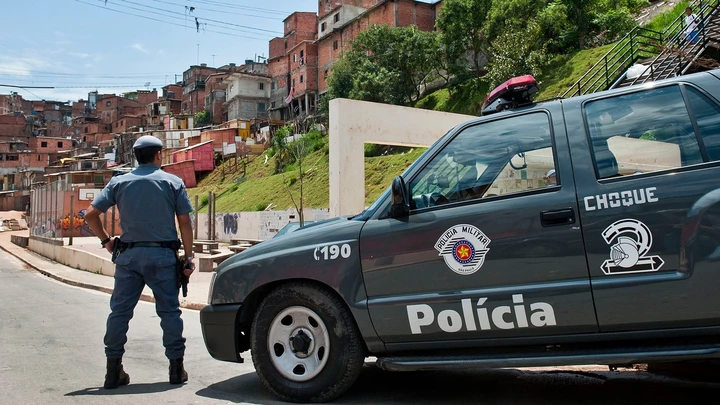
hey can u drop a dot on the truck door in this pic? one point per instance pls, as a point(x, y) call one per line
point(646, 165)
point(491, 247)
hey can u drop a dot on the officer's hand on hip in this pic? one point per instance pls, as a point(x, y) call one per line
point(109, 245)
point(189, 266)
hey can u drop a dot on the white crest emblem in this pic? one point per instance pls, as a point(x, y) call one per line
point(633, 241)
point(464, 248)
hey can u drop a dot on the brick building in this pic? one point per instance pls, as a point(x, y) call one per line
point(111, 107)
point(193, 95)
point(14, 126)
point(14, 102)
point(292, 65)
point(340, 21)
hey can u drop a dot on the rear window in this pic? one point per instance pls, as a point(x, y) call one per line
point(643, 132)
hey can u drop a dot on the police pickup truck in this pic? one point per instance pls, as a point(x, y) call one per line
point(575, 231)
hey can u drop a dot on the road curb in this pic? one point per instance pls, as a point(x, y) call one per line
point(89, 286)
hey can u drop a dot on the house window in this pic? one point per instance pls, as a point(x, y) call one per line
point(326, 74)
point(336, 17)
point(107, 103)
point(60, 144)
point(323, 26)
point(1, 156)
point(43, 144)
point(272, 85)
point(287, 24)
point(38, 158)
point(272, 105)
point(335, 46)
point(293, 82)
point(12, 157)
point(261, 107)
point(301, 79)
point(294, 57)
point(262, 86)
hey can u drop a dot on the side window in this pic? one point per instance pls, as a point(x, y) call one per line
point(501, 157)
point(642, 132)
point(707, 115)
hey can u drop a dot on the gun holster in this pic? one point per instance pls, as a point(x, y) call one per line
point(117, 248)
point(183, 280)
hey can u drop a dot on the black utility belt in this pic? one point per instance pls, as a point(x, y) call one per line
point(174, 245)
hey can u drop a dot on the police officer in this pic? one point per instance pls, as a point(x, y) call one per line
point(149, 200)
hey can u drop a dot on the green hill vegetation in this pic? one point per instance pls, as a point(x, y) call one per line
point(255, 185)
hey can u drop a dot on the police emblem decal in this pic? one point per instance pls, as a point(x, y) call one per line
point(464, 248)
point(633, 241)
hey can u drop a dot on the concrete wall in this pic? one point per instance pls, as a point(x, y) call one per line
point(254, 225)
point(354, 123)
point(69, 256)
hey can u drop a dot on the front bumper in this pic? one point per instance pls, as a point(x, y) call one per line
point(220, 331)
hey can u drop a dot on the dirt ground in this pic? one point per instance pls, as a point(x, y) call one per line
point(655, 8)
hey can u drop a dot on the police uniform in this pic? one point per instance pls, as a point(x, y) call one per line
point(148, 200)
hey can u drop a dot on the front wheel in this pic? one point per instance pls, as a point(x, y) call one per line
point(305, 345)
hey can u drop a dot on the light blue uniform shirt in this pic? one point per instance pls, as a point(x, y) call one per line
point(148, 200)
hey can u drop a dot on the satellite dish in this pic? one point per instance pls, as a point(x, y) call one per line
point(147, 84)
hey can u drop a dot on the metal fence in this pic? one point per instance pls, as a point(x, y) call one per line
point(56, 212)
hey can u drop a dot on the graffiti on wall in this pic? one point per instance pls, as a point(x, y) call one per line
point(230, 224)
point(74, 224)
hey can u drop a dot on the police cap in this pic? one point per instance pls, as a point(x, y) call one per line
point(147, 141)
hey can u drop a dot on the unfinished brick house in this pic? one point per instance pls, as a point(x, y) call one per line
point(292, 66)
point(340, 21)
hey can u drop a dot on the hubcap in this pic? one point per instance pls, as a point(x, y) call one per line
point(298, 343)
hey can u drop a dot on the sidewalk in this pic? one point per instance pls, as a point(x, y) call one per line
point(197, 289)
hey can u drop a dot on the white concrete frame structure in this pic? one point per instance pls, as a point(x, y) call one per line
point(355, 123)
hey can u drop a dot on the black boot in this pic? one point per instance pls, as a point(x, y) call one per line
point(178, 375)
point(115, 376)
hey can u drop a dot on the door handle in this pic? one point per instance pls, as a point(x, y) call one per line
point(558, 217)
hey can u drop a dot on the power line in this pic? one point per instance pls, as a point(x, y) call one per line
point(222, 11)
point(33, 72)
point(184, 18)
point(203, 18)
point(164, 21)
point(25, 87)
point(235, 6)
point(31, 76)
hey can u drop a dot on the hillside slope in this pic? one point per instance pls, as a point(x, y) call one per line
point(261, 188)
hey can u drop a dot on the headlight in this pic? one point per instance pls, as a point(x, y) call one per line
point(212, 286)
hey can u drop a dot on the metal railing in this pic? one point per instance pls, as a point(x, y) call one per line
point(675, 60)
point(640, 43)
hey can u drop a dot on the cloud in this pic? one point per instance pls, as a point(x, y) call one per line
point(81, 55)
point(139, 47)
point(22, 66)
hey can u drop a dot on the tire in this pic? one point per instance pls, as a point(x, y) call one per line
point(324, 366)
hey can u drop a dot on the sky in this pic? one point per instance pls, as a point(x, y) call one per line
point(78, 46)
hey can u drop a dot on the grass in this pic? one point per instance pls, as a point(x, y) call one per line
point(262, 188)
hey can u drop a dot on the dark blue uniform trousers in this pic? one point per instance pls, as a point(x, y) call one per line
point(135, 268)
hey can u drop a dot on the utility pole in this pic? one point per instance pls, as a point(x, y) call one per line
point(213, 56)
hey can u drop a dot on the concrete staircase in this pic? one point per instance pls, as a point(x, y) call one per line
point(679, 57)
point(664, 53)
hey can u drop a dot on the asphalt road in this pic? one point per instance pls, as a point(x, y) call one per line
point(51, 352)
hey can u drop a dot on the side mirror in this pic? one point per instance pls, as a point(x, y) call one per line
point(400, 204)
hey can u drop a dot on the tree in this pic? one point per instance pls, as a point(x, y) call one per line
point(288, 153)
point(515, 53)
point(203, 118)
point(462, 25)
point(387, 65)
